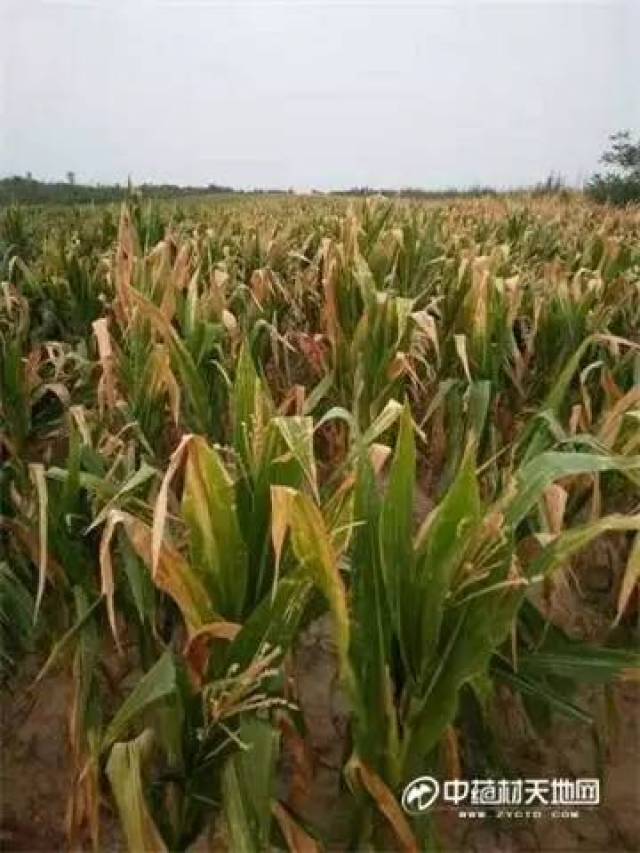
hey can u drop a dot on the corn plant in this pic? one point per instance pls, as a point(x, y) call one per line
point(431, 610)
point(198, 406)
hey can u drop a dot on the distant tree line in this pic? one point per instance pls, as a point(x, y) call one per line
point(620, 184)
point(28, 190)
point(417, 192)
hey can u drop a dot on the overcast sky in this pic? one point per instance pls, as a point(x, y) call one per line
point(315, 94)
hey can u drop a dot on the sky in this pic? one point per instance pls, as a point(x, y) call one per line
point(323, 94)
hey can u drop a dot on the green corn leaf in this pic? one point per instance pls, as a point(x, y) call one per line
point(139, 581)
point(297, 433)
point(193, 383)
point(274, 621)
point(251, 411)
point(157, 685)
point(478, 630)
point(567, 543)
point(395, 533)
point(478, 406)
point(137, 479)
point(61, 645)
point(443, 544)
point(318, 393)
point(218, 550)
point(384, 421)
point(540, 691)
point(580, 663)
point(89, 712)
point(236, 813)
point(374, 720)
point(246, 398)
point(16, 622)
point(248, 782)
point(532, 479)
point(534, 438)
point(125, 770)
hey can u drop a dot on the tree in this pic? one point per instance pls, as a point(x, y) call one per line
point(621, 183)
point(623, 153)
point(71, 178)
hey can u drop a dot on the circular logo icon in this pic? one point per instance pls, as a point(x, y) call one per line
point(420, 795)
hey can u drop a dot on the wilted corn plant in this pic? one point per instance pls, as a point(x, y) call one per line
point(511, 329)
point(430, 611)
point(201, 707)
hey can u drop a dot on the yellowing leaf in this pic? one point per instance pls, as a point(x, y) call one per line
point(125, 772)
point(555, 501)
point(630, 579)
point(281, 499)
point(297, 839)
point(107, 383)
point(36, 471)
point(160, 510)
point(389, 807)
point(173, 575)
point(313, 549)
point(106, 570)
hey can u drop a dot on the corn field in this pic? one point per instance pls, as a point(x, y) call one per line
point(224, 424)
